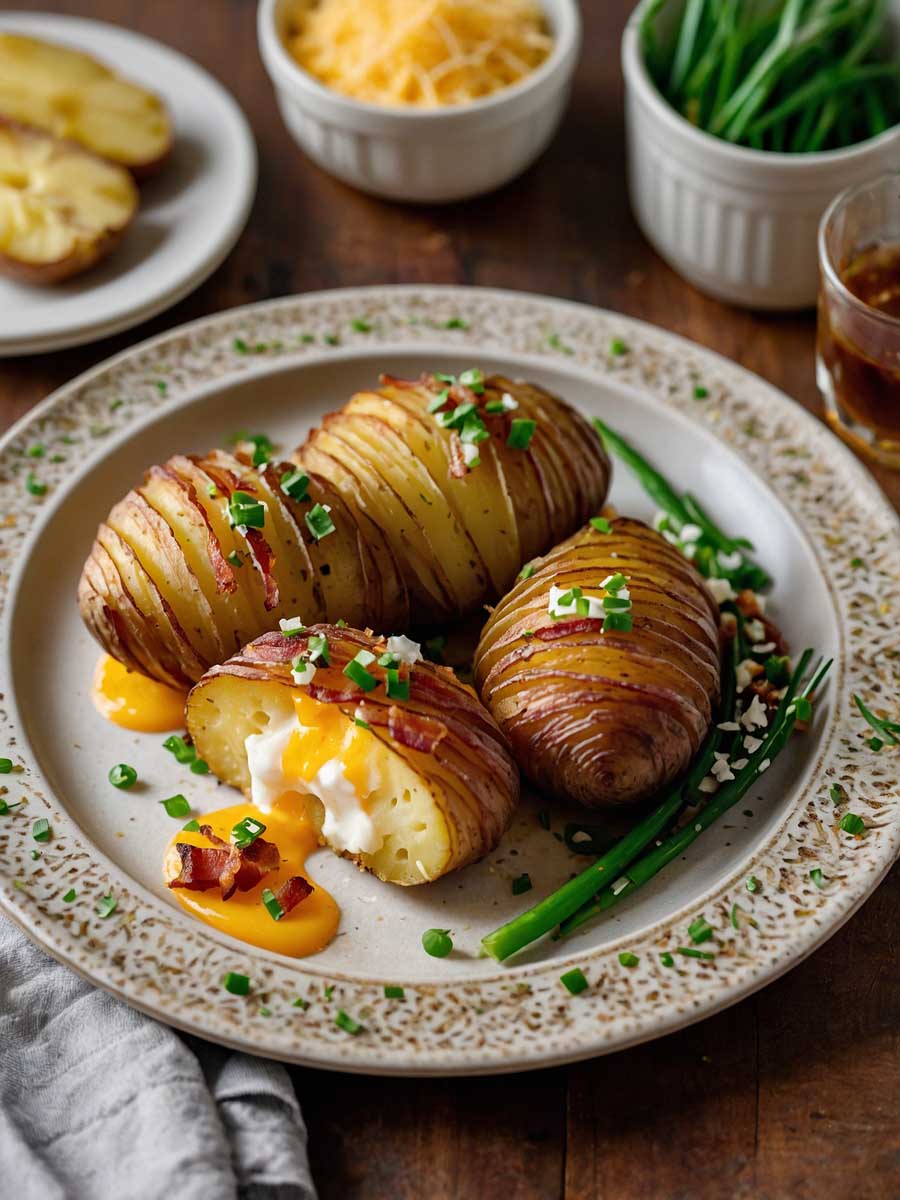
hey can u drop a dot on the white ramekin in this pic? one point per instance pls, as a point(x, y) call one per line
point(739, 224)
point(423, 155)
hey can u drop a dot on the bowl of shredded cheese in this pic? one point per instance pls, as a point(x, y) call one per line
point(421, 100)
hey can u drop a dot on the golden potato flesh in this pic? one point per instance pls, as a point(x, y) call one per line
point(431, 775)
point(61, 208)
point(604, 718)
point(413, 537)
point(71, 95)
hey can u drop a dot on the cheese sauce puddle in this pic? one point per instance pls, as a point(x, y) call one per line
point(135, 702)
point(305, 930)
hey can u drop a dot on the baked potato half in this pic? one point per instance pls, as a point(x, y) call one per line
point(62, 209)
point(379, 521)
point(71, 95)
point(603, 717)
point(404, 771)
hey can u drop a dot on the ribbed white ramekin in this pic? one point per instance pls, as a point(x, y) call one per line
point(740, 224)
point(423, 155)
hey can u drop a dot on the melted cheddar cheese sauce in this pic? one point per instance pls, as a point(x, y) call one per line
point(135, 702)
point(305, 930)
point(324, 734)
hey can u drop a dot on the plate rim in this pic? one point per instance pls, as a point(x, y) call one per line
point(347, 1056)
point(77, 332)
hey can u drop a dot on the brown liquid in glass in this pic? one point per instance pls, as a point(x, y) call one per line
point(867, 383)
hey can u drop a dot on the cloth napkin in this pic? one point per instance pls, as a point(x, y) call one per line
point(98, 1102)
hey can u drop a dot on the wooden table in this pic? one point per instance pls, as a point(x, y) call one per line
point(792, 1093)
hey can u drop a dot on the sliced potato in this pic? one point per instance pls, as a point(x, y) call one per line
point(604, 718)
point(61, 208)
point(71, 95)
point(432, 774)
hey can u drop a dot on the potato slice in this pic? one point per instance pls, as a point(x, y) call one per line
point(71, 95)
point(434, 783)
point(61, 208)
point(604, 718)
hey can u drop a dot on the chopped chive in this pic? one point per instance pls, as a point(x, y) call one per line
point(274, 909)
point(34, 486)
point(361, 723)
point(574, 981)
point(473, 379)
point(122, 776)
point(6, 766)
point(690, 952)
point(319, 522)
point(753, 884)
point(240, 346)
point(331, 339)
point(69, 896)
point(522, 884)
point(318, 649)
point(666, 959)
point(734, 917)
point(437, 942)
point(265, 1012)
point(6, 807)
point(237, 984)
point(193, 826)
point(700, 930)
point(35, 855)
point(200, 767)
point(357, 672)
point(394, 993)
point(851, 823)
point(556, 343)
point(246, 832)
point(456, 323)
point(360, 325)
point(176, 806)
point(162, 387)
point(107, 906)
point(212, 491)
point(700, 392)
point(817, 877)
point(627, 959)
point(397, 688)
point(521, 431)
point(295, 484)
point(234, 558)
point(527, 571)
point(36, 451)
point(838, 794)
point(40, 830)
point(600, 524)
point(347, 1023)
point(856, 563)
point(329, 990)
point(184, 753)
point(621, 622)
point(299, 1002)
point(617, 347)
point(245, 511)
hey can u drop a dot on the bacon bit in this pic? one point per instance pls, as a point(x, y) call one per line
point(224, 575)
point(769, 694)
point(458, 468)
point(328, 695)
point(292, 892)
point(415, 731)
point(201, 867)
point(264, 558)
point(747, 604)
point(562, 629)
point(224, 865)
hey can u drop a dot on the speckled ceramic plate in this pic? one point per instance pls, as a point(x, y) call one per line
point(759, 462)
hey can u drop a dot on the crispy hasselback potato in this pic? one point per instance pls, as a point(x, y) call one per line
point(412, 535)
point(62, 209)
point(70, 95)
point(603, 718)
point(410, 779)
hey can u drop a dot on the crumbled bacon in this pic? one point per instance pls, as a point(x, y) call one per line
point(458, 468)
point(561, 629)
point(292, 892)
point(264, 558)
point(201, 867)
point(224, 865)
point(415, 731)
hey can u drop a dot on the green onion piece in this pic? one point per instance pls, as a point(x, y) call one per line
point(889, 730)
point(361, 723)
point(838, 794)
point(397, 688)
point(329, 990)
point(6, 807)
point(274, 909)
point(176, 806)
point(347, 1023)
point(574, 981)
point(521, 431)
point(622, 622)
point(317, 647)
point(600, 524)
point(319, 522)
point(690, 952)
point(295, 484)
point(614, 604)
point(106, 907)
point(627, 959)
point(246, 511)
point(184, 753)
point(437, 942)
point(734, 917)
point(494, 406)
point(246, 832)
point(265, 1012)
point(473, 379)
point(851, 823)
point(6, 766)
point(556, 343)
point(35, 855)
point(200, 767)
point(360, 325)
point(700, 392)
point(753, 885)
point(667, 960)
point(193, 826)
point(394, 993)
point(777, 670)
point(522, 884)
point(803, 709)
point(527, 571)
point(234, 558)
point(299, 1002)
point(40, 830)
point(616, 582)
point(357, 672)
point(387, 659)
point(34, 486)
point(69, 896)
point(700, 930)
point(617, 347)
point(122, 776)
point(875, 744)
point(817, 877)
point(238, 985)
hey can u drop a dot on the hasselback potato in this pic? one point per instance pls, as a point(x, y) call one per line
point(603, 717)
point(405, 771)
point(411, 506)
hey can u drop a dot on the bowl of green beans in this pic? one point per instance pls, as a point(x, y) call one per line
point(744, 119)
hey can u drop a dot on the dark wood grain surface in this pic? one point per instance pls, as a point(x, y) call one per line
point(796, 1091)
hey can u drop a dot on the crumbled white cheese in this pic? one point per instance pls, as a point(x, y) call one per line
point(303, 672)
point(404, 649)
point(721, 591)
point(764, 765)
point(690, 533)
point(509, 402)
point(707, 784)
point(291, 624)
point(764, 648)
point(739, 764)
point(751, 743)
point(620, 885)
point(756, 716)
point(755, 630)
point(689, 550)
point(730, 562)
point(745, 673)
point(728, 726)
point(556, 609)
point(470, 452)
point(720, 769)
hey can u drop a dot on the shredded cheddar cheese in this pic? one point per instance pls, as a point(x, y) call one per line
point(427, 53)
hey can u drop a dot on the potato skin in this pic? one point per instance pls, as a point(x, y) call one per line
point(442, 732)
point(415, 544)
point(604, 719)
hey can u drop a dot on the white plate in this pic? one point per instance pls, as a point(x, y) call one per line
point(191, 214)
point(761, 464)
